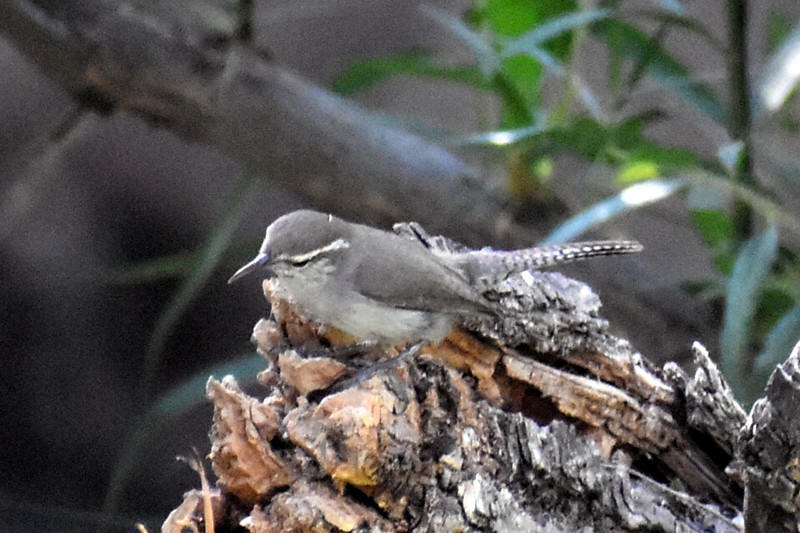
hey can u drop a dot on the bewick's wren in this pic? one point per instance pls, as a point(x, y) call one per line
point(381, 287)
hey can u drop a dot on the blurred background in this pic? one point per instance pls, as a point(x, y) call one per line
point(145, 146)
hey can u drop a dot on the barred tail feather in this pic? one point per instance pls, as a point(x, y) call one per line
point(559, 254)
point(487, 265)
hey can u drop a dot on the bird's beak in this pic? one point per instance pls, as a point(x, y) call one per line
point(259, 261)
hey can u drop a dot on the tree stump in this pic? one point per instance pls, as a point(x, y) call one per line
point(538, 419)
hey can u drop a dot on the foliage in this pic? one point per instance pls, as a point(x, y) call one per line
point(519, 44)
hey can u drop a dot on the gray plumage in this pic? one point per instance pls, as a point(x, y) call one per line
point(379, 286)
point(485, 267)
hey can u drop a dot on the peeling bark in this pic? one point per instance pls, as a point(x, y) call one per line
point(768, 453)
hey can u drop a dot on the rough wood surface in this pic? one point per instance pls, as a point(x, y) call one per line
point(535, 420)
point(768, 453)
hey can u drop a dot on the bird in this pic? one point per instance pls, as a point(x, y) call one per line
point(384, 288)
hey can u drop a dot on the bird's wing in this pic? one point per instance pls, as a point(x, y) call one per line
point(414, 281)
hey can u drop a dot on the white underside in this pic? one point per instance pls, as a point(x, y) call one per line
point(361, 317)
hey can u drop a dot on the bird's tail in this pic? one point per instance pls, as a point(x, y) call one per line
point(485, 265)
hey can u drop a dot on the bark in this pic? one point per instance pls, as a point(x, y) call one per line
point(768, 449)
point(537, 419)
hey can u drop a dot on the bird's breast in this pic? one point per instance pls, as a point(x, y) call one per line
point(364, 318)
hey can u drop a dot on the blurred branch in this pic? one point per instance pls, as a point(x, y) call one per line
point(179, 64)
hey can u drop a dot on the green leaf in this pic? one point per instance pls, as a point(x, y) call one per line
point(715, 226)
point(638, 170)
point(613, 143)
point(669, 159)
point(661, 65)
point(633, 197)
point(583, 135)
point(516, 105)
point(775, 302)
point(749, 274)
point(778, 29)
point(524, 75)
point(555, 27)
point(366, 74)
point(780, 342)
point(512, 17)
point(628, 133)
point(716, 229)
point(522, 72)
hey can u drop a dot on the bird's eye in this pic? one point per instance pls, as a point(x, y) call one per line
point(301, 263)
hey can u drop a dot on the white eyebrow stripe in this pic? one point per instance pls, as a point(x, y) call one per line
point(338, 244)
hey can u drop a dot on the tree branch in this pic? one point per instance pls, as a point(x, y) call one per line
point(179, 65)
